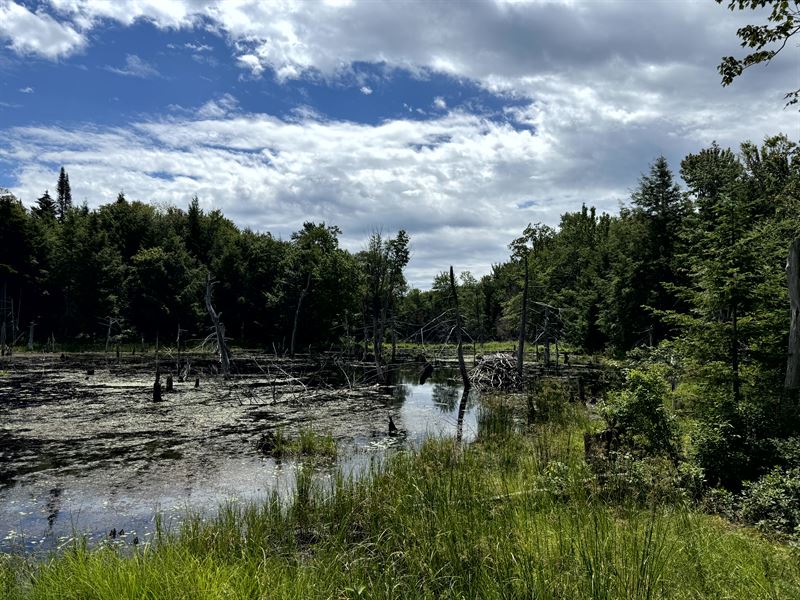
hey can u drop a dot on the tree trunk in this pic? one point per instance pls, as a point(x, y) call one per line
point(523, 319)
point(108, 334)
point(394, 337)
point(297, 313)
point(462, 408)
point(219, 327)
point(735, 355)
point(157, 387)
point(792, 381)
point(461, 366)
point(377, 342)
point(30, 336)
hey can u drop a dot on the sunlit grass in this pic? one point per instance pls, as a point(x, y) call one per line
point(517, 514)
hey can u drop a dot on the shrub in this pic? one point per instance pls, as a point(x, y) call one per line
point(637, 413)
point(772, 503)
point(548, 401)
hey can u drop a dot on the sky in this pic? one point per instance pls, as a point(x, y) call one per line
point(459, 121)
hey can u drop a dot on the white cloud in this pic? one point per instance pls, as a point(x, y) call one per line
point(448, 181)
point(216, 109)
point(36, 32)
point(599, 89)
point(135, 67)
point(366, 90)
point(162, 13)
point(26, 90)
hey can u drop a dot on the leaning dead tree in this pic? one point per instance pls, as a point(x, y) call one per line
point(219, 329)
point(297, 312)
point(792, 381)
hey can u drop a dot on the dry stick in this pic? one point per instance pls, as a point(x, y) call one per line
point(30, 336)
point(792, 381)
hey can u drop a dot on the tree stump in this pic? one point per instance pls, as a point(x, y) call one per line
point(157, 388)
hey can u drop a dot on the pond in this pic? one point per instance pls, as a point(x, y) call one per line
point(83, 454)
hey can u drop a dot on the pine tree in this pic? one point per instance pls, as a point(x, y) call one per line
point(67, 192)
point(659, 205)
point(64, 194)
point(45, 207)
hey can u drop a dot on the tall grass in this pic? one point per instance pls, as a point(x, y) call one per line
point(515, 515)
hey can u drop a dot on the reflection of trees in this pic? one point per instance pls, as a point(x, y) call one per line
point(444, 396)
point(400, 393)
point(410, 374)
point(53, 507)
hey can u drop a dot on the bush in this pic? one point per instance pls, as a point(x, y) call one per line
point(548, 401)
point(637, 413)
point(772, 503)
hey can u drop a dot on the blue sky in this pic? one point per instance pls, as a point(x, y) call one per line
point(459, 121)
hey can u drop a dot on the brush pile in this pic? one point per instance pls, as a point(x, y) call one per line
point(495, 371)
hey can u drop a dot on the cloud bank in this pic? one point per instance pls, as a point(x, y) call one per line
point(600, 89)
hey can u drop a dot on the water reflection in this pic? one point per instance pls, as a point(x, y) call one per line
point(194, 452)
point(53, 507)
point(445, 396)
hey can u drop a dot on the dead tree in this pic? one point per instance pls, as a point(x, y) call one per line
point(522, 323)
point(157, 387)
point(219, 329)
point(181, 374)
point(297, 312)
point(462, 408)
point(461, 366)
point(792, 381)
point(30, 335)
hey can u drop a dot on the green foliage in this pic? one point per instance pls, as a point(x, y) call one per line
point(638, 413)
point(444, 522)
point(767, 41)
point(731, 339)
point(549, 401)
point(307, 443)
point(773, 502)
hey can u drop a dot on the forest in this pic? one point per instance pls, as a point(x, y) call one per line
point(680, 303)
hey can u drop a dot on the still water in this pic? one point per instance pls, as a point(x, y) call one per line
point(82, 455)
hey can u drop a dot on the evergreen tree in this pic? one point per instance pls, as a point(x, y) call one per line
point(644, 261)
point(45, 207)
point(64, 194)
point(733, 326)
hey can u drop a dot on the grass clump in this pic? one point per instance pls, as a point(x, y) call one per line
point(515, 515)
point(308, 443)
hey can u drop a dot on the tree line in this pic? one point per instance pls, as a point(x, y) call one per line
point(672, 261)
point(138, 271)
